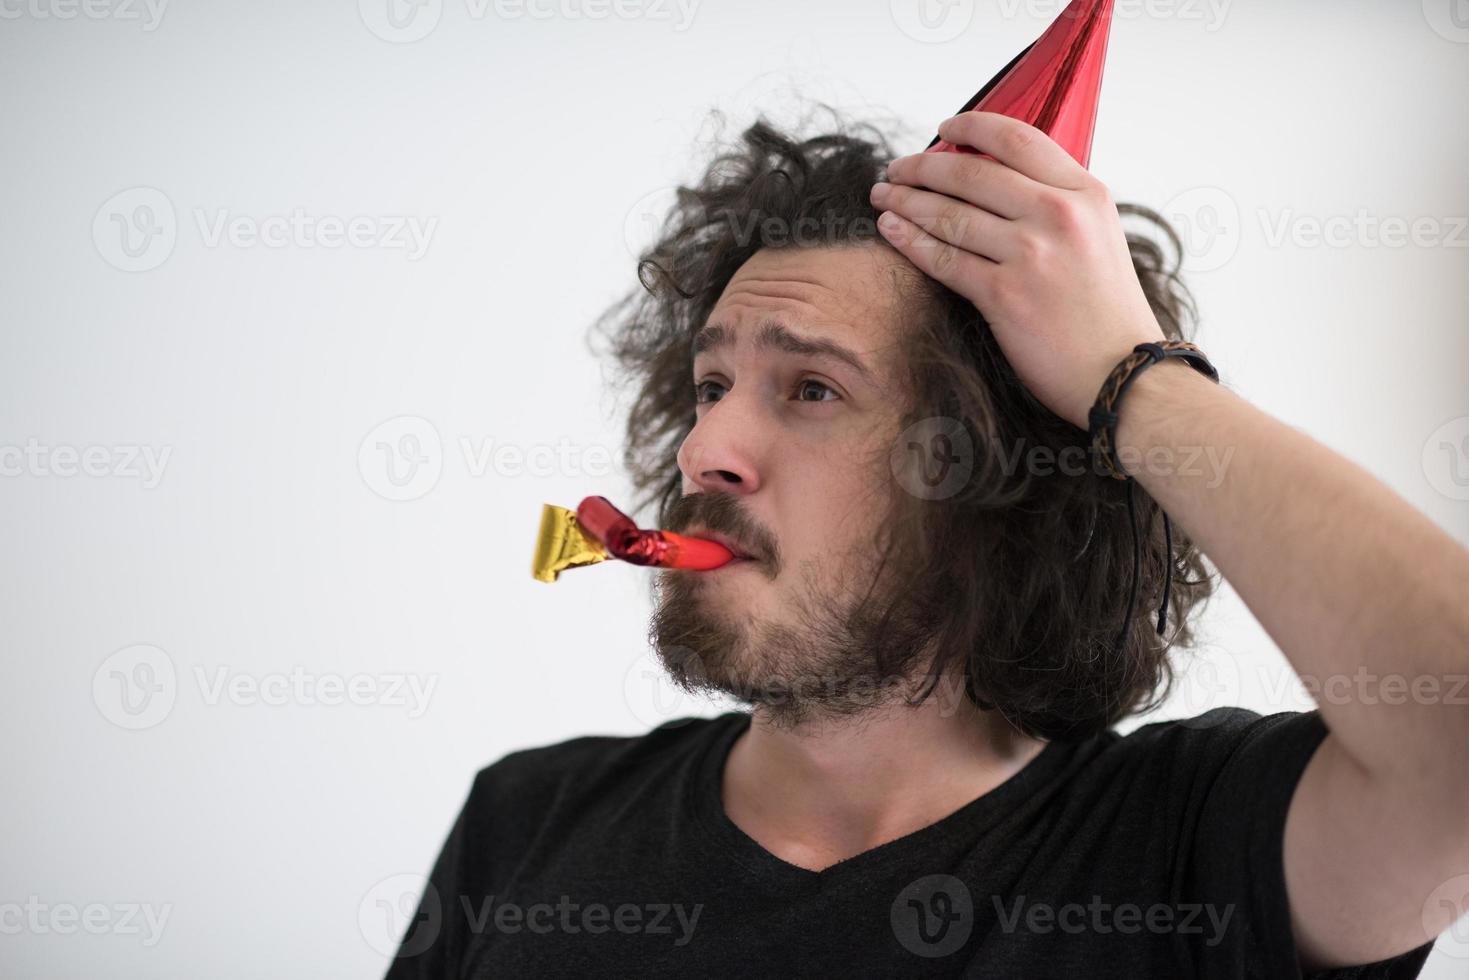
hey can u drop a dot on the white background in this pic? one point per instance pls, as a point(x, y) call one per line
point(536, 146)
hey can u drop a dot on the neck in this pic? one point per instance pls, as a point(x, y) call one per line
point(829, 789)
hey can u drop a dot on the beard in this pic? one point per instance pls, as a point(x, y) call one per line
point(850, 645)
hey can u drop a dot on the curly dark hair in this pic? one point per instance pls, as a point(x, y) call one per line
point(1026, 576)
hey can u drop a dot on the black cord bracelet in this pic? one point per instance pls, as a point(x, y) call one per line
point(1103, 420)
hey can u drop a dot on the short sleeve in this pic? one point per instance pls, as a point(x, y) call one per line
point(1237, 850)
point(433, 943)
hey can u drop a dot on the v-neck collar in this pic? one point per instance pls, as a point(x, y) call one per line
point(964, 825)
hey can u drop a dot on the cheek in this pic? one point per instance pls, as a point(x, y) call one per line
point(835, 506)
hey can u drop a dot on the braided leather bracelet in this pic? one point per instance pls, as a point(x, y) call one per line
point(1103, 418)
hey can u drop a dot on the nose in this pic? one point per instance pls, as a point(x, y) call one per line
point(720, 455)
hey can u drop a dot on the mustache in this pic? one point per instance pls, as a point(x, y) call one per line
point(726, 514)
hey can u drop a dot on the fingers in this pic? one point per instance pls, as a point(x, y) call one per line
point(964, 272)
point(984, 183)
point(946, 219)
point(1018, 145)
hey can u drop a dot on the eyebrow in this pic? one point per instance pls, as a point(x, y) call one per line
point(774, 335)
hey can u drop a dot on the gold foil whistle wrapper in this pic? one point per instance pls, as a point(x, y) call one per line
point(596, 531)
point(562, 544)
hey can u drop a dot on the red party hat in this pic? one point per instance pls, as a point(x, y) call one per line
point(1055, 83)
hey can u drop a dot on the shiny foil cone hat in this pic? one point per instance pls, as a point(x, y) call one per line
point(597, 531)
point(1055, 84)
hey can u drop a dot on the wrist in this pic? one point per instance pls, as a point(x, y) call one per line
point(1156, 397)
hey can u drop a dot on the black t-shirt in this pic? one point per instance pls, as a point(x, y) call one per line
point(1154, 854)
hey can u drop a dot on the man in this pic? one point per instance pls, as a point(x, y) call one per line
point(927, 783)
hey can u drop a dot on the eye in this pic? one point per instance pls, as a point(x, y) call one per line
point(708, 391)
point(811, 390)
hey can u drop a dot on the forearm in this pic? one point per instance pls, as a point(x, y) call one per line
point(1353, 584)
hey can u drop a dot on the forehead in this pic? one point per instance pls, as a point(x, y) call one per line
point(849, 294)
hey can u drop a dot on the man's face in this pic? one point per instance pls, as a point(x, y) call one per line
point(796, 377)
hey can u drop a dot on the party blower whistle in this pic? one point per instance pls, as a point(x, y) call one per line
point(596, 531)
